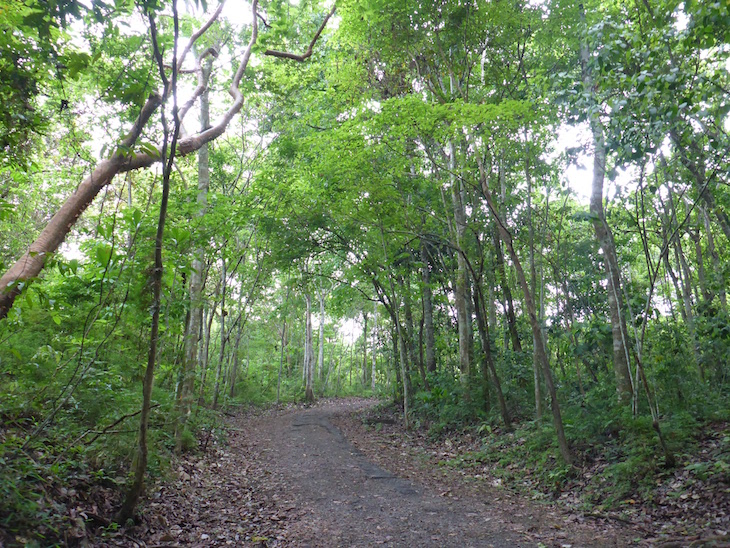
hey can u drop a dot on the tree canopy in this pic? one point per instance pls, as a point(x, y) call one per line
point(201, 195)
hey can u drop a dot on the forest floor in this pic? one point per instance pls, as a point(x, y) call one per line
point(318, 476)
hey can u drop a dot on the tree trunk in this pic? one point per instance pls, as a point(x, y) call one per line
point(487, 358)
point(308, 353)
point(192, 333)
point(398, 395)
point(533, 283)
point(364, 348)
point(320, 351)
point(205, 350)
point(718, 278)
point(409, 332)
point(686, 285)
point(530, 305)
point(235, 363)
point(696, 235)
point(31, 263)
point(281, 362)
point(605, 240)
point(692, 158)
point(461, 285)
point(404, 374)
point(427, 298)
point(224, 337)
point(506, 293)
point(140, 466)
point(373, 353)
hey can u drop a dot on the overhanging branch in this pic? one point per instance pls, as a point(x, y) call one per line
point(307, 54)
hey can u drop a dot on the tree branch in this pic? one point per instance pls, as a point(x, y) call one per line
point(307, 54)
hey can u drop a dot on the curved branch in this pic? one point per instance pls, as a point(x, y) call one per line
point(51, 237)
point(307, 54)
point(31, 263)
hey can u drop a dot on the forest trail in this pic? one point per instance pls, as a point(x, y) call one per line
point(291, 478)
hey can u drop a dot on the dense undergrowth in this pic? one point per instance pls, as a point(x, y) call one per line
point(619, 463)
point(63, 475)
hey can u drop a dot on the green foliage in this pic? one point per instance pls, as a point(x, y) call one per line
point(342, 169)
point(445, 406)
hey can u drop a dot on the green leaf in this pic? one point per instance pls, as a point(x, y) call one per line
point(104, 254)
point(149, 148)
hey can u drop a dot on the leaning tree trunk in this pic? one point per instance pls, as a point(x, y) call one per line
point(30, 265)
point(532, 313)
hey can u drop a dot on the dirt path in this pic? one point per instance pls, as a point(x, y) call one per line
point(293, 479)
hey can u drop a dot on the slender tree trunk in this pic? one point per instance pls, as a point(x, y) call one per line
point(532, 313)
point(571, 333)
point(396, 365)
point(281, 362)
point(696, 235)
point(605, 240)
point(320, 351)
point(235, 362)
point(692, 158)
point(352, 361)
point(427, 297)
point(192, 333)
point(409, 332)
point(205, 350)
point(373, 353)
point(308, 353)
point(461, 286)
point(364, 348)
point(666, 231)
point(506, 293)
point(224, 337)
point(718, 277)
point(404, 374)
point(685, 276)
point(487, 358)
point(533, 283)
point(140, 466)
